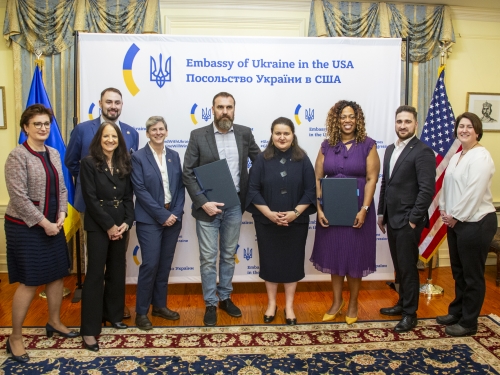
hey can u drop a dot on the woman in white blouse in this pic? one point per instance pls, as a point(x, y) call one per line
point(467, 209)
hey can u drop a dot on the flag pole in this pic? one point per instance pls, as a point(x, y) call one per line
point(428, 288)
point(77, 296)
point(39, 62)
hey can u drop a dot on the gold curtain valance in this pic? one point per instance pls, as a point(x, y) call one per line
point(48, 25)
point(427, 25)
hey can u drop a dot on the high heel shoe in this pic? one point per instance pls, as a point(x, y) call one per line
point(327, 317)
point(19, 358)
point(117, 325)
point(290, 322)
point(350, 321)
point(270, 318)
point(51, 330)
point(91, 347)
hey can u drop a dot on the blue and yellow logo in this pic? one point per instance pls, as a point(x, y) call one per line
point(308, 114)
point(134, 255)
point(159, 71)
point(91, 110)
point(206, 113)
point(127, 69)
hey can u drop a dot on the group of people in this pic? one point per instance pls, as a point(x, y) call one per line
point(281, 190)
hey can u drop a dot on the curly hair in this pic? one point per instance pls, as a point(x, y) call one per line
point(333, 122)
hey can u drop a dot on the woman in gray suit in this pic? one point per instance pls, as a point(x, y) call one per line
point(36, 246)
point(107, 192)
point(159, 206)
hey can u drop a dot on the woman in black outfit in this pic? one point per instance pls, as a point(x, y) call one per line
point(107, 192)
point(281, 196)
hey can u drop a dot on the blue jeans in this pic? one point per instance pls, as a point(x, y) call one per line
point(226, 224)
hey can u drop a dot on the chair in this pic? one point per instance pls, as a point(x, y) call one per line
point(495, 248)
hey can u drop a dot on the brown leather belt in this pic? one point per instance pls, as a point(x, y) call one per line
point(167, 206)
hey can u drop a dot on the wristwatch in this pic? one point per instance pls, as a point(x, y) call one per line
point(297, 213)
point(367, 208)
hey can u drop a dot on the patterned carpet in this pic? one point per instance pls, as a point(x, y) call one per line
point(364, 348)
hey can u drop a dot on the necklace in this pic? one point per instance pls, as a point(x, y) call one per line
point(463, 153)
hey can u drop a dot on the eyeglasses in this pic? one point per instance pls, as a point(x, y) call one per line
point(350, 117)
point(38, 125)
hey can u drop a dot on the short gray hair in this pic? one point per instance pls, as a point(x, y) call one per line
point(153, 120)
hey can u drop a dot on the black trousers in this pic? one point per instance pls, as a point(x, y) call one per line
point(103, 294)
point(403, 244)
point(469, 243)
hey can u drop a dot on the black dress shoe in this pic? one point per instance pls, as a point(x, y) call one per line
point(228, 306)
point(165, 313)
point(447, 319)
point(270, 318)
point(210, 318)
point(457, 330)
point(406, 324)
point(392, 311)
point(290, 322)
point(117, 325)
point(51, 330)
point(23, 358)
point(91, 347)
point(143, 322)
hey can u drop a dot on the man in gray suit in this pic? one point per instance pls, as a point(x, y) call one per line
point(220, 140)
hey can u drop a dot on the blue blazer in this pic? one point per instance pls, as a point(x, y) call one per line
point(78, 148)
point(148, 186)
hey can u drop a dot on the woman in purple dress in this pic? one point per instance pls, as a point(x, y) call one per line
point(339, 250)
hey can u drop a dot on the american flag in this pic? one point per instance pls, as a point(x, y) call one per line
point(437, 133)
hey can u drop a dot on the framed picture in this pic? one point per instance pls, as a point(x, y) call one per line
point(487, 107)
point(3, 110)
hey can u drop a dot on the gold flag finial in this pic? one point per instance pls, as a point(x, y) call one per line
point(38, 60)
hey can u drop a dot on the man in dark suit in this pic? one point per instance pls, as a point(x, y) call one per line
point(406, 192)
point(159, 206)
point(78, 147)
point(220, 140)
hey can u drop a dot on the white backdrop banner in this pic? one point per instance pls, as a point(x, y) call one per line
point(301, 78)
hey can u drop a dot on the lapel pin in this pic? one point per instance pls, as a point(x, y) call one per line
point(169, 160)
point(128, 132)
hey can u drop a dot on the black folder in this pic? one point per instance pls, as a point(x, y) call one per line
point(217, 184)
point(340, 200)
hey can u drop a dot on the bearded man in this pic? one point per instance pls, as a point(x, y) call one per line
point(220, 140)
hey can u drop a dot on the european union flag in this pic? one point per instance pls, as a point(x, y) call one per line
point(38, 95)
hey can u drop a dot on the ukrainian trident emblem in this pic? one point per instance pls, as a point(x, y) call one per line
point(309, 114)
point(206, 114)
point(160, 73)
point(247, 253)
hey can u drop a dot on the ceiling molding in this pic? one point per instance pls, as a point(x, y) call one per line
point(475, 14)
point(282, 5)
point(176, 22)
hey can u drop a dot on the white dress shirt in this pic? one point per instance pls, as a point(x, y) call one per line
point(164, 173)
point(466, 193)
point(399, 146)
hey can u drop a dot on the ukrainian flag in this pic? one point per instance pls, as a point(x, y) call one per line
point(38, 95)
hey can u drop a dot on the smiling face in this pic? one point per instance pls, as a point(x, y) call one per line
point(282, 137)
point(406, 125)
point(223, 110)
point(111, 105)
point(38, 135)
point(157, 134)
point(348, 123)
point(109, 141)
point(466, 133)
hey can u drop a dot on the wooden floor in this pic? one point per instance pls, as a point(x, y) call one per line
point(311, 301)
